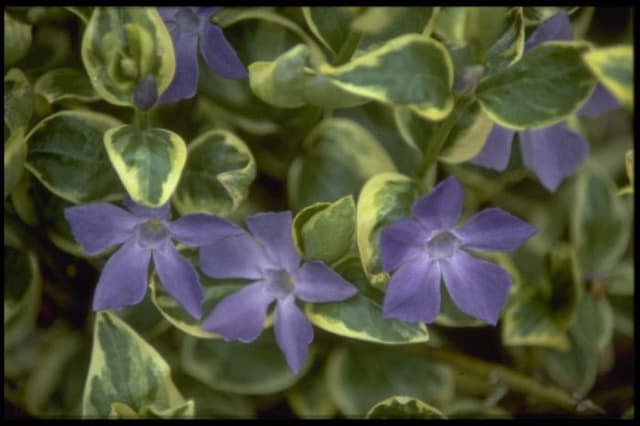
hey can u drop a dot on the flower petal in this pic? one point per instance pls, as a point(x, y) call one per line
point(161, 212)
point(241, 314)
point(294, 333)
point(477, 287)
point(207, 12)
point(200, 229)
point(494, 230)
point(97, 226)
point(238, 256)
point(124, 278)
point(219, 54)
point(496, 150)
point(553, 153)
point(401, 242)
point(274, 231)
point(413, 292)
point(185, 80)
point(557, 27)
point(167, 13)
point(316, 282)
point(179, 278)
point(601, 101)
point(442, 207)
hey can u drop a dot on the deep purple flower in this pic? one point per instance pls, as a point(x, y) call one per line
point(145, 232)
point(552, 152)
point(420, 250)
point(186, 25)
point(268, 256)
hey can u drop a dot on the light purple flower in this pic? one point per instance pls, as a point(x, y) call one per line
point(146, 233)
point(186, 25)
point(422, 249)
point(268, 256)
point(554, 152)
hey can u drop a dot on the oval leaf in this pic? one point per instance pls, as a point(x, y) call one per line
point(18, 100)
point(340, 155)
point(614, 68)
point(384, 199)
point(509, 46)
point(408, 70)
point(329, 24)
point(325, 231)
point(549, 83)
point(66, 154)
point(125, 369)
point(216, 179)
point(17, 39)
point(149, 162)
point(121, 46)
point(15, 153)
point(253, 369)
point(360, 317)
point(404, 407)
point(65, 83)
point(358, 378)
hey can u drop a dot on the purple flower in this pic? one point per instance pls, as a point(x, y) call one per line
point(552, 152)
point(185, 24)
point(267, 256)
point(145, 232)
point(421, 250)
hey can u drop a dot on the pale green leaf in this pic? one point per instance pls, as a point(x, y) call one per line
point(65, 83)
point(148, 162)
point(15, 154)
point(330, 25)
point(18, 100)
point(614, 68)
point(66, 154)
point(549, 83)
point(509, 46)
point(404, 407)
point(17, 39)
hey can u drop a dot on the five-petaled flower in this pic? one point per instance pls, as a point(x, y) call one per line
point(186, 25)
point(552, 152)
point(268, 256)
point(145, 232)
point(422, 249)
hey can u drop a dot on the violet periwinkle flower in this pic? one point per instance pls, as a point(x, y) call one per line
point(146, 232)
point(186, 25)
point(423, 249)
point(554, 152)
point(268, 256)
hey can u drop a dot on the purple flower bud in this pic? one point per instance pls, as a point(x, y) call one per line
point(146, 93)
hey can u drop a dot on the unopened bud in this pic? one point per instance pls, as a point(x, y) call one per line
point(146, 93)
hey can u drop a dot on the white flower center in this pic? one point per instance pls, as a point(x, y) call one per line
point(152, 233)
point(279, 282)
point(442, 244)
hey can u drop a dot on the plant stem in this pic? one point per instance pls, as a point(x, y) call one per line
point(142, 119)
point(512, 379)
point(433, 149)
point(348, 47)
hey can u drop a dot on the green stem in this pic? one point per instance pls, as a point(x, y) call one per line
point(348, 47)
point(142, 119)
point(513, 380)
point(435, 146)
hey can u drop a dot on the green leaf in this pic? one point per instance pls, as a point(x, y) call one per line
point(65, 83)
point(126, 369)
point(359, 377)
point(599, 221)
point(577, 368)
point(628, 162)
point(148, 162)
point(527, 94)
point(172, 311)
point(252, 369)
point(326, 231)
point(509, 46)
point(466, 408)
point(310, 397)
point(210, 403)
point(384, 199)
point(18, 100)
point(614, 68)
point(67, 156)
point(450, 24)
point(50, 48)
point(330, 25)
point(121, 46)
point(360, 317)
point(408, 70)
point(535, 15)
point(15, 154)
point(339, 156)
point(22, 287)
point(404, 407)
point(17, 39)
point(82, 12)
point(541, 315)
point(216, 178)
point(620, 279)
